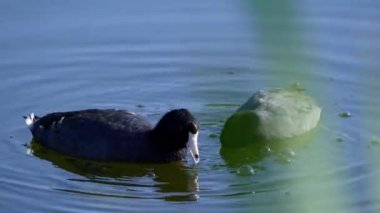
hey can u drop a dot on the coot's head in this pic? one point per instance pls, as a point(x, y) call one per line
point(178, 130)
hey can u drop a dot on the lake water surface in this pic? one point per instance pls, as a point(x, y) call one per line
point(208, 56)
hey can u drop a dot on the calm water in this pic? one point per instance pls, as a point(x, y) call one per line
point(208, 56)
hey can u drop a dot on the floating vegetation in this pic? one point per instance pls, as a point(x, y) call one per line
point(375, 142)
point(273, 114)
point(339, 140)
point(345, 114)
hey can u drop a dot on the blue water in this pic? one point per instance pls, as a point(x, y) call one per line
point(208, 56)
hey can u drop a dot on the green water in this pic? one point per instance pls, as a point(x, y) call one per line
point(207, 56)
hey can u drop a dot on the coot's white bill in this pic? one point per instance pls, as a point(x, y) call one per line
point(192, 148)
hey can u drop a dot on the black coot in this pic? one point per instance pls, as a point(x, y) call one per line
point(118, 135)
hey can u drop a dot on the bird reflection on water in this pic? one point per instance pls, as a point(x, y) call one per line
point(169, 181)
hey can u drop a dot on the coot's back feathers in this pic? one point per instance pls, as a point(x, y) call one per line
point(114, 135)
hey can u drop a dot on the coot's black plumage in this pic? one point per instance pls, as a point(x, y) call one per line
point(117, 135)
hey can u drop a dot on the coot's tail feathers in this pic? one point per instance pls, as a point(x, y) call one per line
point(30, 120)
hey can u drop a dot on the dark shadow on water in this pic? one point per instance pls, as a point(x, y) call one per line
point(171, 181)
point(281, 151)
